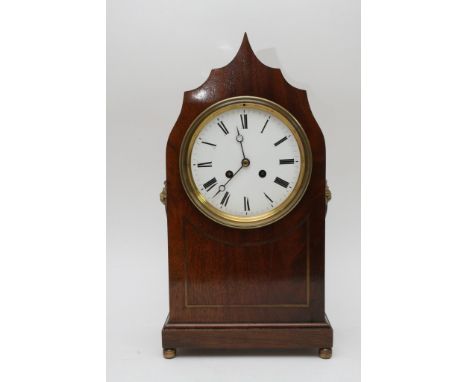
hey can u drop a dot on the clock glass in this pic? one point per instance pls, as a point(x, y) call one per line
point(245, 162)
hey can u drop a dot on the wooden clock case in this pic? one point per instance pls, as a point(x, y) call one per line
point(257, 288)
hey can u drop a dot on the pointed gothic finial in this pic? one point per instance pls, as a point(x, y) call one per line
point(245, 43)
point(245, 50)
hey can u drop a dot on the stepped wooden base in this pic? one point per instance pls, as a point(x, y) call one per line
point(249, 336)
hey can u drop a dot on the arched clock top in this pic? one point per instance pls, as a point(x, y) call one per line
point(244, 69)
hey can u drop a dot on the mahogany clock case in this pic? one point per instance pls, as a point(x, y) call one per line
point(256, 288)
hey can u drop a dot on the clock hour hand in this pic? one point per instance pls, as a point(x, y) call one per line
point(240, 139)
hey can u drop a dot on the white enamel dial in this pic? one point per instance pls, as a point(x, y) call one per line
point(246, 161)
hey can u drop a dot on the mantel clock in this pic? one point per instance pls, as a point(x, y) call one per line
point(246, 200)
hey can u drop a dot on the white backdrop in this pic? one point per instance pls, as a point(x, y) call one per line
point(155, 51)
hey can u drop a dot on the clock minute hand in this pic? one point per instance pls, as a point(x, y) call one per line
point(223, 186)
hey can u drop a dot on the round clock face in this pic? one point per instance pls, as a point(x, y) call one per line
point(245, 162)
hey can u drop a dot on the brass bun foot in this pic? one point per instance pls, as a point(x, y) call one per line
point(325, 353)
point(169, 353)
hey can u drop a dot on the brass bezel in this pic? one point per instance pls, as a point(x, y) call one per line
point(221, 217)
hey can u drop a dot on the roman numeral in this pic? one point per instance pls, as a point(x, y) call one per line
point(244, 120)
point(205, 164)
point(268, 197)
point(225, 199)
point(286, 161)
point(246, 204)
point(281, 182)
point(210, 184)
point(281, 141)
point(266, 123)
point(223, 127)
point(208, 143)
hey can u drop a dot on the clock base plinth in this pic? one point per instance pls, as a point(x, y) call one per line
point(249, 336)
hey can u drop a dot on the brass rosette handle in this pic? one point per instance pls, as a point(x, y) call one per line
point(328, 194)
point(163, 194)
